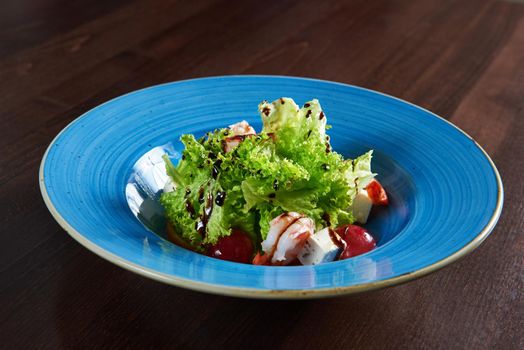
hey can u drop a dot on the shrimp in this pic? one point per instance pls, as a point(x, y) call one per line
point(287, 234)
point(277, 226)
point(292, 241)
point(239, 131)
point(242, 128)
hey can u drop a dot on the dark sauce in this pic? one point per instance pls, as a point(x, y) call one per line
point(216, 168)
point(336, 239)
point(308, 114)
point(307, 105)
point(327, 219)
point(220, 197)
point(200, 228)
point(328, 147)
point(291, 222)
point(183, 156)
point(201, 195)
point(321, 116)
point(201, 224)
point(238, 138)
point(208, 209)
point(190, 209)
point(272, 195)
point(266, 111)
point(282, 101)
point(309, 133)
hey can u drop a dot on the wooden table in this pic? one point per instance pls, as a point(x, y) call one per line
point(461, 59)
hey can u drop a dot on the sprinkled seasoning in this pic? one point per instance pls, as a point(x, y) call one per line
point(266, 111)
point(321, 116)
point(308, 114)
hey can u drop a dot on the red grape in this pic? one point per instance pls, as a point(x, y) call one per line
point(236, 247)
point(358, 241)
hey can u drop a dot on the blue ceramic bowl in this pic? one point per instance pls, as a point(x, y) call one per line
point(101, 176)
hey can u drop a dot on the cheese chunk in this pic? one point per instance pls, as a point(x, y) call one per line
point(169, 186)
point(320, 248)
point(362, 206)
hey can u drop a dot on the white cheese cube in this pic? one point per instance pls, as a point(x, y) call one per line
point(169, 186)
point(321, 247)
point(362, 206)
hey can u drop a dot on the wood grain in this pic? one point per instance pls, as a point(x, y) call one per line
point(461, 59)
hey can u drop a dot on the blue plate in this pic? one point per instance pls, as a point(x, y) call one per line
point(101, 176)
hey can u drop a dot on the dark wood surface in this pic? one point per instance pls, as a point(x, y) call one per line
point(58, 58)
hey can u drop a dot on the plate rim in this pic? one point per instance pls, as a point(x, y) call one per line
point(256, 293)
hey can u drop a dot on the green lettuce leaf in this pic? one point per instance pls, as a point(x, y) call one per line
point(289, 166)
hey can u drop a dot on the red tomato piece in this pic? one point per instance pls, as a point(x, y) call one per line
point(376, 193)
point(260, 259)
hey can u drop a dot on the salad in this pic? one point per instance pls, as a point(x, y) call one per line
point(278, 197)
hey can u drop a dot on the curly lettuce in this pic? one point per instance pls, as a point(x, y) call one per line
point(288, 166)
